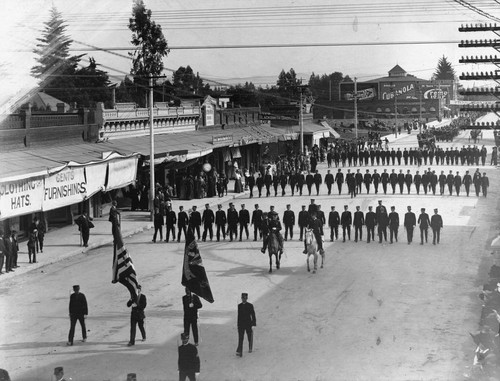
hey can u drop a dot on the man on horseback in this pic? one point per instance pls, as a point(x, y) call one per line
point(315, 224)
point(274, 226)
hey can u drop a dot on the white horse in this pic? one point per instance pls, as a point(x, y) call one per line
point(312, 249)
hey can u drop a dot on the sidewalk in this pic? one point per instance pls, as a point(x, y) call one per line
point(63, 243)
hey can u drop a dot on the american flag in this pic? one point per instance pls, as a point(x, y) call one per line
point(123, 267)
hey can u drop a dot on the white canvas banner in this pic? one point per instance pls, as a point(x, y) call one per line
point(121, 173)
point(21, 197)
point(96, 177)
point(63, 188)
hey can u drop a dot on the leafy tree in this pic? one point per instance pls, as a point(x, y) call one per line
point(320, 86)
point(91, 85)
point(150, 43)
point(444, 70)
point(288, 84)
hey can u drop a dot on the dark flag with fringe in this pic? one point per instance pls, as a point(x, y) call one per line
point(194, 276)
point(123, 267)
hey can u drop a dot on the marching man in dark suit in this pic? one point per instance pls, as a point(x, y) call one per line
point(303, 221)
point(189, 361)
point(393, 224)
point(171, 219)
point(257, 222)
point(246, 322)
point(182, 223)
point(137, 316)
point(288, 221)
point(436, 225)
point(191, 304)
point(329, 180)
point(339, 179)
point(333, 223)
point(370, 222)
point(220, 222)
point(424, 223)
point(232, 222)
point(409, 224)
point(195, 221)
point(346, 222)
point(208, 219)
point(78, 310)
point(244, 220)
point(382, 221)
point(358, 222)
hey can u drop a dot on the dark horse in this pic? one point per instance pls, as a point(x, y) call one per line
point(273, 249)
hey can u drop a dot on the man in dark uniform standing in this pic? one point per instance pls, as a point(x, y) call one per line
point(467, 181)
point(268, 181)
point(208, 220)
point(376, 180)
point(393, 224)
point(318, 180)
point(283, 183)
point(182, 223)
point(321, 216)
point(346, 222)
point(367, 179)
point(288, 221)
point(370, 222)
point(339, 179)
point(485, 183)
point(220, 222)
point(351, 183)
point(301, 180)
point(191, 304)
point(449, 181)
point(195, 221)
point(457, 181)
point(260, 183)
point(358, 177)
point(244, 220)
point(417, 180)
point(251, 184)
point(436, 225)
point(409, 224)
point(232, 222)
point(246, 322)
point(408, 180)
point(424, 223)
point(303, 221)
point(171, 219)
point(401, 181)
point(78, 310)
point(333, 223)
point(476, 179)
point(189, 361)
point(329, 180)
point(257, 222)
point(276, 183)
point(309, 182)
point(442, 182)
point(137, 315)
point(433, 181)
point(382, 221)
point(393, 179)
point(358, 222)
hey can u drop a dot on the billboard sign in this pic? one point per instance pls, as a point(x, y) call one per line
point(365, 91)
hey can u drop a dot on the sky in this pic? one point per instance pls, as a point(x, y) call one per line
point(234, 41)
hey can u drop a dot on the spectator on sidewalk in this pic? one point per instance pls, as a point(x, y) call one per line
point(78, 310)
point(114, 218)
point(14, 248)
point(39, 228)
point(32, 246)
point(2, 251)
point(84, 223)
point(8, 252)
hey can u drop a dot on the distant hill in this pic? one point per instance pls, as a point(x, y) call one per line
point(256, 80)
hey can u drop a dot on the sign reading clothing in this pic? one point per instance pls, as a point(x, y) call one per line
point(21, 197)
point(65, 188)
